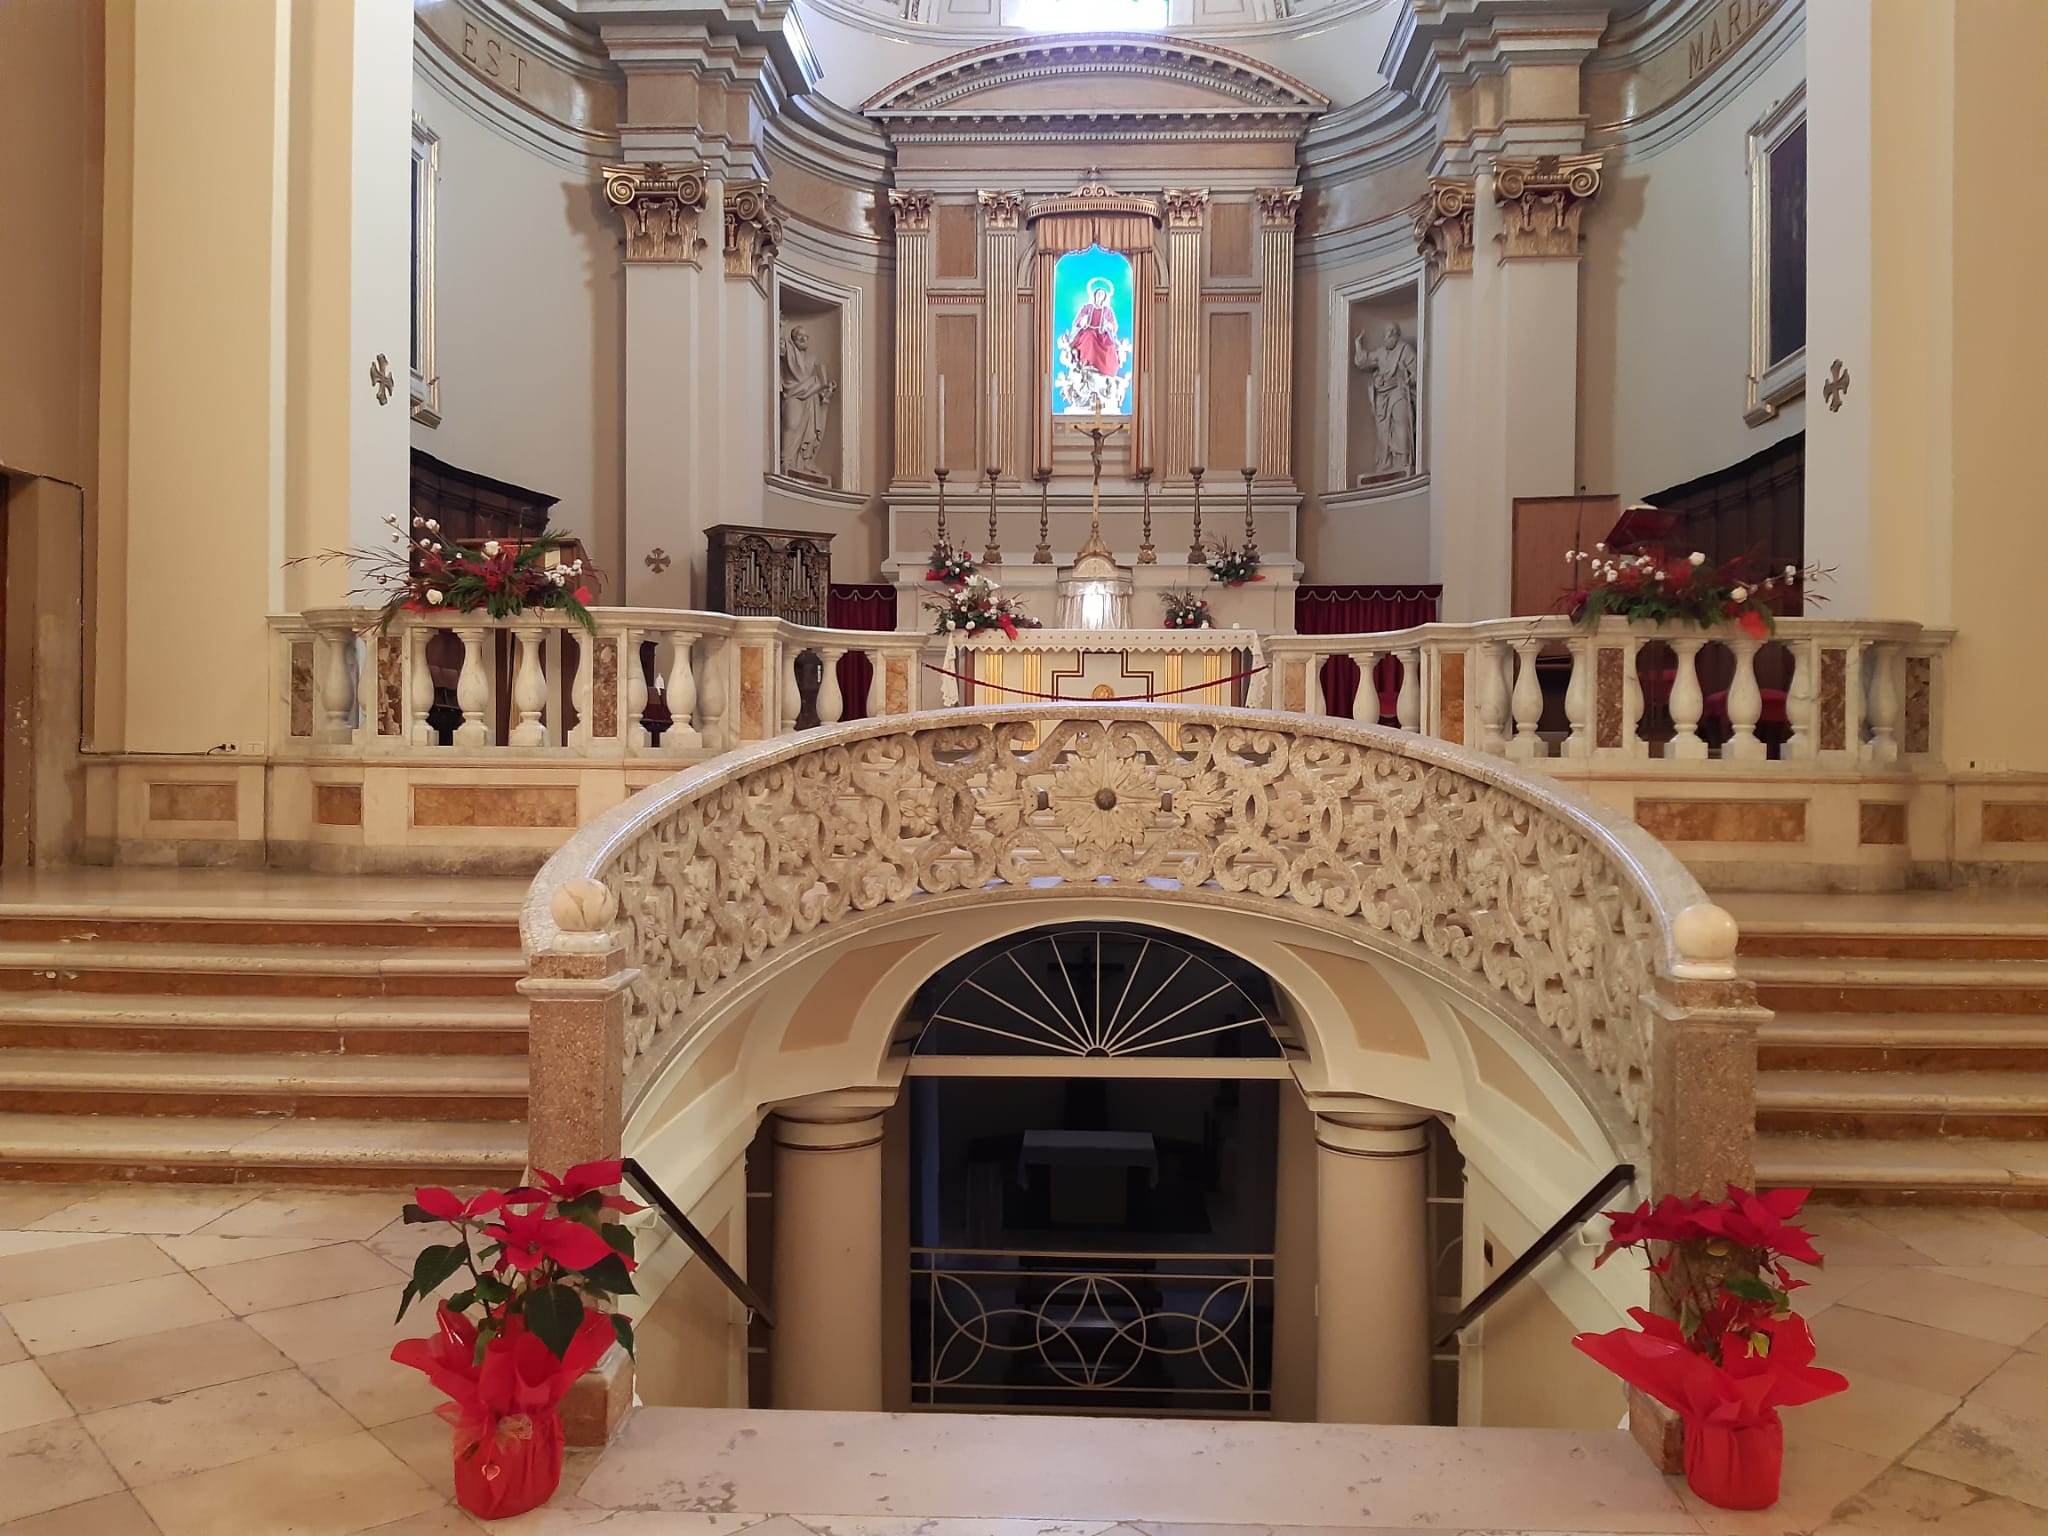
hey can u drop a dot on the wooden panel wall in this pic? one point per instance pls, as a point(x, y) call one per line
point(1223, 377)
point(956, 232)
point(1230, 239)
point(957, 345)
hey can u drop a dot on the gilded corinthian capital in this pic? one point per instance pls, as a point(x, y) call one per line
point(1278, 206)
point(753, 230)
point(1443, 224)
point(660, 205)
point(912, 211)
point(1185, 206)
point(1541, 203)
point(1002, 211)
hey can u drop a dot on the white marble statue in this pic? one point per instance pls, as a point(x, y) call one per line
point(1391, 366)
point(807, 392)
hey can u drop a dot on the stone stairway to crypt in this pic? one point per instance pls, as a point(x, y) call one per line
point(1908, 1056)
point(314, 1038)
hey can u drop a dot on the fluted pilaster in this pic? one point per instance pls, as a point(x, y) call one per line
point(912, 212)
point(1186, 214)
point(1278, 207)
point(1002, 222)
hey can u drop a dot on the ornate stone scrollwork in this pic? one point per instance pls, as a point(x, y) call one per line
point(753, 230)
point(1186, 207)
point(912, 211)
point(1443, 224)
point(1002, 211)
point(1541, 203)
point(1278, 206)
point(1490, 887)
point(660, 205)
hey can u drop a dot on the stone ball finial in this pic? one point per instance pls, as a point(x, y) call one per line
point(582, 906)
point(1705, 932)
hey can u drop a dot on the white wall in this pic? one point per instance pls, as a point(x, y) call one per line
point(1664, 305)
point(530, 320)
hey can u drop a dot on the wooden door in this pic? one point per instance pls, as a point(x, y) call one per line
point(1546, 529)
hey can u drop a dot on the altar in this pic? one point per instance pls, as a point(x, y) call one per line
point(1174, 666)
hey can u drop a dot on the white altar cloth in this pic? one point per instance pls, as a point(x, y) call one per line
point(1183, 666)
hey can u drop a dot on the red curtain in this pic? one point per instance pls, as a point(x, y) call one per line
point(862, 605)
point(1326, 609)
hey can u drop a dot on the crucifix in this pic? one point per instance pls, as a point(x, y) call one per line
point(1097, 434)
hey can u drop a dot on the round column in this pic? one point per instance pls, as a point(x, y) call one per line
point(828, 1256)
point(1372, 1272)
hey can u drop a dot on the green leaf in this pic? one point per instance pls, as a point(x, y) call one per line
point(404, 1301)
point(416, 1216)
point(437, 1261)
point(1749, 1287)
point(608, 1277)
point(619, 1235)
point(1688, 1318)
point(583, 1207)
point(490, 1290)
point(461, 1301)
point(622, 1330)
point(554, 1313)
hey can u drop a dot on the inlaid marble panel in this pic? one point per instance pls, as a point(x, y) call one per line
point(338, 805)
point(1834, 703)
point(1294, 687)
point(302, 688)
point(191, 802)
point(494, 805)
point(1607, 699)
point(390, 685)
point(1724, 821)
point(896, 686)
point(2015, 821)
point(753, 694)
point(1919, 702)
point(1451, 696)
point(604, 688)
point(1881, 822)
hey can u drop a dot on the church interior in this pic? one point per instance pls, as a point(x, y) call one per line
point(1245, 695)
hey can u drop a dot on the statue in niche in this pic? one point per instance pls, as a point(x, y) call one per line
point(807, 392)
point(1391, 368)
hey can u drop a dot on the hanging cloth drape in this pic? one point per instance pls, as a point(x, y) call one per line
point(1329, 609)
point(867, 605)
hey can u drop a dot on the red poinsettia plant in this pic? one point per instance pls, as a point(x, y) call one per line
point(1232, 566)
point(424, 572)
point(1681, 587)
point(542, 1263)
point(1731, 1351)
point(949, 566)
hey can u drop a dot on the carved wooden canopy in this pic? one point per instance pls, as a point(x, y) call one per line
point(1116, 86)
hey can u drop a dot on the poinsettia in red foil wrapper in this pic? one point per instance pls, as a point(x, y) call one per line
point(536, 1257)
point(1733, 1352)
point(1661, 586)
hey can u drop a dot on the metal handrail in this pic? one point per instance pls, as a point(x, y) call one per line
point(696, 1241)
point(1619, 1177)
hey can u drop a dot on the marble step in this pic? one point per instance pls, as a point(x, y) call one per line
point(1804, 985)
point(393, 1154)
point(229, 970)
point(87, 927)
point(215, 1083)
point(1891, 944)
point(1907, 1171)
point(1896, 1105)
point(1924, 1042)
point(106, 1021)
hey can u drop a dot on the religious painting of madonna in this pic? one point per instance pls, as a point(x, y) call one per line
point(1092, 323)
point(1777, 180)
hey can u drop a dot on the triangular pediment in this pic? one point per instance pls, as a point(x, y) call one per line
point(1140, 79)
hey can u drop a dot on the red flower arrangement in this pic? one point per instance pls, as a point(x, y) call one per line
point(949, 566)
point(1733, 1352)
point(543, 1252)
point(423, 573)
point(1665, 588)
point(973, 607)
point(1232, 566)
point(1184, 610)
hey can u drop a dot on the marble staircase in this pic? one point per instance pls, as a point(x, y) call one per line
point(326, 1041)
point(1908, 1056)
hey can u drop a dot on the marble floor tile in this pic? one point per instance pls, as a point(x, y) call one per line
point(1961, 1235)
point(424, 1442)
point(10, 1346)
point(2031, 1278)
point(1859, 1343)
point(60, 1270)
point(161, 1364)
point(82, 1319)
point(213, 1252)
point(318, 1331)
point(1884, 1418)
point(111, 1514)
point(26, 1397)
point(21, 1204)
point(1904, 1503)
point(1832, 1285)
point(344, 1215)
point(1991, 1449)
point(2038, 1343)
point(833, 1525)
point(168, 1437)
point(336, 1488)
point(1818, 1477)
point(12, 1243)
point(2019, 1386)
point(1847, 1238)
point(376, 1389)
point(49, 1466)
point(164, 1209)
point(1960, 1306)
point(286, 1280)
point(445, 1521)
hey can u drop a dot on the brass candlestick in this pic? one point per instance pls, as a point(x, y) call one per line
point(993, 555)
point(942, 473)
point(1196, 554)
point(1147, 555)
point(1251, 537)
point(1043, 554)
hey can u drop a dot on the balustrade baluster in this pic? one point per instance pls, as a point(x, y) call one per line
point(1745, 702)
point(1408, 701)
point(473, 690)
point(634, 664)
point(1365, 704)
point(529, 689)
point(791, 692)
point(1528, 704)
point(831, 702)
point(713, 694)
point(1488, 661)
point(1883, 703)
point(1578, 697)
point(682, 734)
point(582, 688)
point(877, 660)
point(334, 683)
point(1632, 744)
point(422, 677)
point(1802, 700)
point(1686, 701)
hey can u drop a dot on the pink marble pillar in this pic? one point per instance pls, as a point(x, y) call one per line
point(1372, 1277)
point(828, 1254)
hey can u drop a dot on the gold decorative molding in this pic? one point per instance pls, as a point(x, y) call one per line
point(753, 230)
point(1278, 206)
point(1541, 202)
point(660, 205)
point(1443, 224)
point(1001, 211)
point(912, 211)
point(1186, 207)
